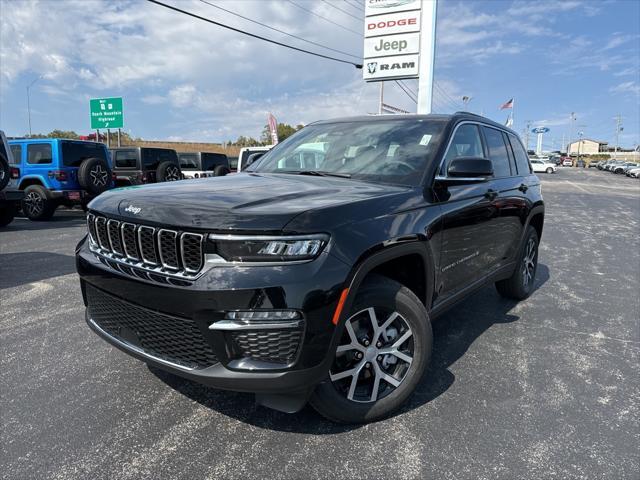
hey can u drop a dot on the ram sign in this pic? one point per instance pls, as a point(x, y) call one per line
point(392, 39)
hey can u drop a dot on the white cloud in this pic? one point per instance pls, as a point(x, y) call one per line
point(626, 87)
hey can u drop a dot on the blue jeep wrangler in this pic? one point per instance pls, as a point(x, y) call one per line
point(60, 172)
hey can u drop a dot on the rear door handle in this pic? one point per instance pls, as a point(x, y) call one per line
point(523, 187)
point(491, 194)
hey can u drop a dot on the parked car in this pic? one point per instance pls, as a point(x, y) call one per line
point(317, 285)
point(540, 165)
point(203, 164)
point(594, 164)
point(623, 167)
point(556, 160)
point(141, 165)
point(10, 195)
point(57, 171)
point(580, 163)
point(248, 155)
point(633, 172)
point(567, 162)
point(612, 164)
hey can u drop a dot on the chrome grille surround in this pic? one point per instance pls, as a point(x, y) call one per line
point(141, 251)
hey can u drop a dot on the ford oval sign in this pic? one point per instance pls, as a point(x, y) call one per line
point(540, 130)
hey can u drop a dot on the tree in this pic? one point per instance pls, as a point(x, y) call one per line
point(284, 130)
point(63, 134)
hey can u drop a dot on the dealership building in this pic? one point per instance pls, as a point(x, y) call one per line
point(587, 146)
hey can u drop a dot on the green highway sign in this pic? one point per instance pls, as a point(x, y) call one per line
point(106, 113)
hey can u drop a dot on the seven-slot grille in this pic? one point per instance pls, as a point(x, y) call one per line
point(173, 252)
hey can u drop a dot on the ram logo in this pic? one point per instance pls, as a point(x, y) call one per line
point(371, 67)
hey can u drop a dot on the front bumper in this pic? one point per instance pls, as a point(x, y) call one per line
point(230, 361)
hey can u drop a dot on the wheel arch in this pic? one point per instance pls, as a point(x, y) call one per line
point(414, 258)
point(31, 180)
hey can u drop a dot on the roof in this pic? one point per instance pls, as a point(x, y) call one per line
point(40, 140)
point(589, 140)
point(432, 116)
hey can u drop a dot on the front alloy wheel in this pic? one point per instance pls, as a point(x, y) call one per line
point(375, 358)
point(383, 351)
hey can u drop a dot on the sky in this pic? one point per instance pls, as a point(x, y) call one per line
point(186, 80)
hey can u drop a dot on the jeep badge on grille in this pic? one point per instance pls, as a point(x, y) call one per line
point(132, 209)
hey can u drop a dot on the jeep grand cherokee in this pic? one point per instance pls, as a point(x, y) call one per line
point(316, 285)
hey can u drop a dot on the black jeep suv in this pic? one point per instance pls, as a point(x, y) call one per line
point(141, 165)
point(316, 285)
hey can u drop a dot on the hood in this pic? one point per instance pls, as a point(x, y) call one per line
point(247, 201)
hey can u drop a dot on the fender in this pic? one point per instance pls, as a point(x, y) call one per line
point(367, 264)
point(26, 179)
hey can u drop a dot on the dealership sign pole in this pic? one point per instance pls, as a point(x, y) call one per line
point(399, 43)
point(540, 131)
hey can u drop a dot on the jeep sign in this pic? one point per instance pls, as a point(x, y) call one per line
point(400, 66)
point(404, 44)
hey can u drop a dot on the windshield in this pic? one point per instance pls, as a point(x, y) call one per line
point(393, 151)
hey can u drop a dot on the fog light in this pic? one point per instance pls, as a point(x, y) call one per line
point(259, 316)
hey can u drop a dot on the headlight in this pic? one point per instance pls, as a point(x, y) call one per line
point(237, 248)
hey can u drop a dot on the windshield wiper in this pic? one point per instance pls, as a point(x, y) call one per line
point(318, 173)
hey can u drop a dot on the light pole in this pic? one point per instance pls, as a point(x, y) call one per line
point(29, 101)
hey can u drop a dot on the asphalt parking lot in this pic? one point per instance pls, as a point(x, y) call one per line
point(548, 388)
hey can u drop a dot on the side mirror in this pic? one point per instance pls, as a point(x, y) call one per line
point(470, 167)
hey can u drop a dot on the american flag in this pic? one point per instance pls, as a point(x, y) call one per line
point(506, 105)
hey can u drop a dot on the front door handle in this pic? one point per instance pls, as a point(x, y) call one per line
point(491, 194)
point(523, 188)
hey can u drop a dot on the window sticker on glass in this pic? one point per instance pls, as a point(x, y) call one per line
point(426, 138)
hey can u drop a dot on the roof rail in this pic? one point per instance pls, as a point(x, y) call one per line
point(462, 112)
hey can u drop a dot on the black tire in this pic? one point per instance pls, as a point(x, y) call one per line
point(7, 213)
point(383, 295)
point(94, 175)
point(520, 285)
point(37, 204)
point(549, 170)
point(168, 172)
point(5, 171)
point(221, 171)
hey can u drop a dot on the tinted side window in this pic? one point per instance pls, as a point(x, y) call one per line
point(497, 152)
point(39, 154)
point(522, 159)
point(74, 153)
point(125, 159)
point(189, 162)
point(211, 160)
point(16, 151)
point(465, 143)
point(152, 157)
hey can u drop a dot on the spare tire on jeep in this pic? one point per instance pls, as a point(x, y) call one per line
point(5, 172)
point(94, 175)
point(168, 172)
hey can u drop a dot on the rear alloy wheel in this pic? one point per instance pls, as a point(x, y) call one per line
point(549, 170)
point(520, 285)
point(36, 203)
point(384, 350)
